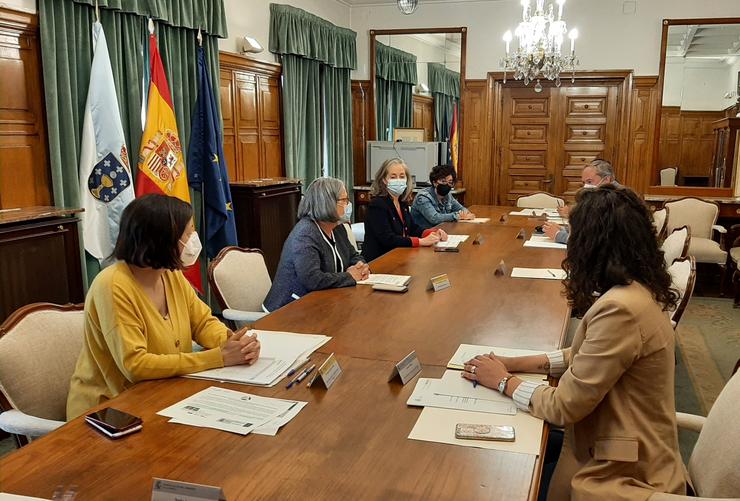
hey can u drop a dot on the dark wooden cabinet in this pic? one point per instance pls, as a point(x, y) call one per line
point(250, 106)
point(725, 154)
point(39, 258)
point(265, 212)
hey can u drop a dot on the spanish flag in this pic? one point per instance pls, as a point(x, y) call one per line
point(454, 137)
point(161, 163)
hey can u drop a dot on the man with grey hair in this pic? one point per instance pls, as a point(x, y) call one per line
point(317, 254)
point(595, 174)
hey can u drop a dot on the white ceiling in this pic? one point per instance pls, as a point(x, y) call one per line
point(708, 41)
point(393, 2)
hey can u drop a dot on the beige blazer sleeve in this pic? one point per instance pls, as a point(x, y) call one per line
point(612, 343)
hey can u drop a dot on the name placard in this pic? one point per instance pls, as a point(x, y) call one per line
point(522, 234)
point(406, 369)
point(504, 218)
point(501, 270)
point(327, 373)
point(478, 239)
point(439, 283)
point(174, 490)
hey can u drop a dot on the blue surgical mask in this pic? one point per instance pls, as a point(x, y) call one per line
point(396, 187)
point(347, 213)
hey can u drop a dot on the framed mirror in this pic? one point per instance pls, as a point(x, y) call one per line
point(417, 81)
point(699, 86)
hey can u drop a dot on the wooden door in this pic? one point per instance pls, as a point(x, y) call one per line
point(590, 130)
point(271, 157)
point(226, 89)
point(24, 165)
point(423, 115)
point(247, 122)
point(528, 139)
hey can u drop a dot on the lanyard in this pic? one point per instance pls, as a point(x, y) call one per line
point(337, 257)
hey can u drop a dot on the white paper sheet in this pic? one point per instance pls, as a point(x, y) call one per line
point(452, 241)
point(477, 220)
point(379, 278)
point(279, 352)
point(467, 351)
point(459, 393)
point(227, 410)
point(544, 273)
point(545, 242)
point(536, 213)
point(438, 425)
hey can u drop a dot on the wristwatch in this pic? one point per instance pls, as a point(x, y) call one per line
point(502, 384)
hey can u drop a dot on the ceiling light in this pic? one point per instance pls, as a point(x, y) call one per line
point(407, 6)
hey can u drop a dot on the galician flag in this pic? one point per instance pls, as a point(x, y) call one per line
point(105, 177)
point(161, 165)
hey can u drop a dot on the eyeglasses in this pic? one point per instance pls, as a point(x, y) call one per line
point(344, 201)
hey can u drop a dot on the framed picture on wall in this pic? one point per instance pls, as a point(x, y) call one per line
point(408, 135)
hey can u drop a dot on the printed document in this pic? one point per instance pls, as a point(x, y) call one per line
point(379, 278)
point(455, 392)
point(545, 273)
point(543, 242)
point(466, 352)
point(452, 241)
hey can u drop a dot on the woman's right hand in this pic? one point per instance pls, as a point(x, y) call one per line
point(430, 239)
point(240, 348)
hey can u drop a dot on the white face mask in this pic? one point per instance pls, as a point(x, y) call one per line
point(191, 250)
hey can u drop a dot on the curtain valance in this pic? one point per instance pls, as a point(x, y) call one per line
point(208, 15)
point(297, 32)
point(394, 64)
point(443, 81)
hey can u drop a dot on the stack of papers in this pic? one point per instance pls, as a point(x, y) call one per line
point(380, 279)
point(545, 273)
point(477, 220)
point(279, 352)
point(454, 392)
point(536, 213)
point(466, 352)
point(544, 243)
point(233, 411)
point(452, 241)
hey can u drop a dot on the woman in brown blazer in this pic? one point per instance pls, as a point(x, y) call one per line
point(615, 395)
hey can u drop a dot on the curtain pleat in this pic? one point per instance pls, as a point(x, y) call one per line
point(338, 99)
point(394, 64)
point(442, 80)
point(382, 109)
point(403, 107)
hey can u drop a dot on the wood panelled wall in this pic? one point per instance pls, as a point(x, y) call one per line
point(252, 115)
point(361, 110)
point(609, 114)
point(687, 141)
point(423, 115)
point(24, 160)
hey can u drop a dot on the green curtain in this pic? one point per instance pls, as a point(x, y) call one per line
point(317, 57)
point(338, 100)
point(302, 117)
point(445, 87)
point(66, 52)
point(395, 77)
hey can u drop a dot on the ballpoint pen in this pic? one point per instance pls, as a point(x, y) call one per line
point(295, 369)
point(305, 373)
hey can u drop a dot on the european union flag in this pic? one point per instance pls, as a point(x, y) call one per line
point(207, 168)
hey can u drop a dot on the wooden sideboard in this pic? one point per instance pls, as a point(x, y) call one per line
point(39, 257)
point(265, 212)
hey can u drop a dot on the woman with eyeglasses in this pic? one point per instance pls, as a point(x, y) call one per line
point(389, 223)
point(318, 254)
point(436, 205)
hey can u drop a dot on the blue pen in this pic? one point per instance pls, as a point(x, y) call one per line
point(295, 369)
point(475, 383)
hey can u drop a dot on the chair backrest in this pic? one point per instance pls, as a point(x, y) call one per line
point(697, 214)
point(668, 176)
point(683, 276)
point(351, 236)
point(676, 245)
point(39, 347)
point(239, 278)
point(540, 200)
point(713, 465)
point(660, 220)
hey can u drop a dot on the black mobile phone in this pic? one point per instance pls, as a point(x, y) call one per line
point(538, 229)
point(114, 420)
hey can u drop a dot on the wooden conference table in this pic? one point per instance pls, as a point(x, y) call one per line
point(350, 441)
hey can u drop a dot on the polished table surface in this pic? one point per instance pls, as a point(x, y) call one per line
point(350, 441)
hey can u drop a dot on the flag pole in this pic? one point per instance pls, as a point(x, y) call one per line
point(97, 11)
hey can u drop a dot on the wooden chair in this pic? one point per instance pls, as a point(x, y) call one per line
point(660, 220)
point(39, 347)
point(676, 245)
point(732, 241)
point(713, 465)
point(240, 281)
point(540, 200)
point(683, 275)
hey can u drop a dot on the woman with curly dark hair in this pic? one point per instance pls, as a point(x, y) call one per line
point(615, 396)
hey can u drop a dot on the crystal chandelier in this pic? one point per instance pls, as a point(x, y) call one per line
point(407, 6)
point(540, 39)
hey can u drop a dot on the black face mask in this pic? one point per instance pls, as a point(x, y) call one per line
point(443, 189)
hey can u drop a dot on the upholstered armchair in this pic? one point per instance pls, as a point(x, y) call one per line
point(540, 200)
point(676, 244)
point(39, 347)
point(683, 277)
point(668, 176)
point(240, 281)
point(660, 218)
point(732, 241)
point(714, 463)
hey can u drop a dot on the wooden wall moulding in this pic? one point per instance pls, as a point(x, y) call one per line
point(252, 117)
point(23, 141)
point(479, 174)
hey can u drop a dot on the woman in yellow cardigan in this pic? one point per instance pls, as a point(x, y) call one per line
point(142, 315)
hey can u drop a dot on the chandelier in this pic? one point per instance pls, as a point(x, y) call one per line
point(540, 39)
point(407, 6)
